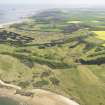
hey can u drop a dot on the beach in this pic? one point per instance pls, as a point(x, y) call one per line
point(40, 97)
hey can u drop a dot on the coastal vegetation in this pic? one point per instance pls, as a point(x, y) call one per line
point(57, 51)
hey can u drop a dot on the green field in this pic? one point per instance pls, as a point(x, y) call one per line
point(100, 35)
point(66, 58)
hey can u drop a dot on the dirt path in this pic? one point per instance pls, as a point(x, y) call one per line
point(9, 85)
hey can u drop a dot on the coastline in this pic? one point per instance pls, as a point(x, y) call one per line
point(4, 25)
point(40, 97)
point(10, 94)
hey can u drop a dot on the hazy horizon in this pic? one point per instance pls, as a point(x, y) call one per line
point(72, 3)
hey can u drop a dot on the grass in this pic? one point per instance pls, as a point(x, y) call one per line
point(100, 35)
point(32, 66)
point(74, 22)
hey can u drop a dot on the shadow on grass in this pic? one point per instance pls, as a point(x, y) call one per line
point(54, 64)
point(14, 39)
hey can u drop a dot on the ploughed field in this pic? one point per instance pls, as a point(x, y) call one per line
point(59, 51)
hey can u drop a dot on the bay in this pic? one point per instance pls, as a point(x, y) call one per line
point(7, 101)
point(11, 12)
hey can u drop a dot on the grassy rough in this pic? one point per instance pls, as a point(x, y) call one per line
point(66, 63)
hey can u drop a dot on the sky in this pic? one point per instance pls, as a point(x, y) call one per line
point(56, 2)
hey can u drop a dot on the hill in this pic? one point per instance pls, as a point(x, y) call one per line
point(55, 55)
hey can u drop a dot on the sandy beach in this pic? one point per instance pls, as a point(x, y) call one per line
point(40, 97)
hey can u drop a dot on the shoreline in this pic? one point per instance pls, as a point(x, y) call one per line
point(40, 96)
point(4, 25)
point(10, 94)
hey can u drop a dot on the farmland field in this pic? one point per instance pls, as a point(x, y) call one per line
point(100, 34)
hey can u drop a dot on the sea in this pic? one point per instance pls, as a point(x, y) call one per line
point(7, 101)
point(13, 12)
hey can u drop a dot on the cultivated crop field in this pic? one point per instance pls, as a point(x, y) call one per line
point(100, 34)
